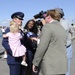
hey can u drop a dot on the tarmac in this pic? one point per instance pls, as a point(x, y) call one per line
point(4, 69)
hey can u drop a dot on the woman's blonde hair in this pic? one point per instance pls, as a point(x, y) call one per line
point(54, 14)
point(14, 27)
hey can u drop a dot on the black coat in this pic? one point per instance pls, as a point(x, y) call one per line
point(29, 44)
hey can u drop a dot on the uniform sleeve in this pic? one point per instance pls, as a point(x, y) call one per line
point(5, 43)
point(43, 45)
point(7, 34)
point(22, 39)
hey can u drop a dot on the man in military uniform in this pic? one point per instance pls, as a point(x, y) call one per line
point(14, 64)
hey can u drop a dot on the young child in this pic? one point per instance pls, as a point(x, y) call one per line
point(14, 37)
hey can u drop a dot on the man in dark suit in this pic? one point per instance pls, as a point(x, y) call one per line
point(14, 63)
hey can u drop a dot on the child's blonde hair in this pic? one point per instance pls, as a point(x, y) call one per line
point(14, 27)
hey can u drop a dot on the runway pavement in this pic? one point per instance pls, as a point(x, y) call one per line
point(4, 69)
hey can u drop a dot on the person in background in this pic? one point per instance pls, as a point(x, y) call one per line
point(30, 30)
point(72, 31)
point(14, 63)
point(50, 56)
point(3, 31)
point(66, 26)
point(14, 37)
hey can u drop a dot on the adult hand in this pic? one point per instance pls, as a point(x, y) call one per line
point(34, 38)
point(35, 69)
